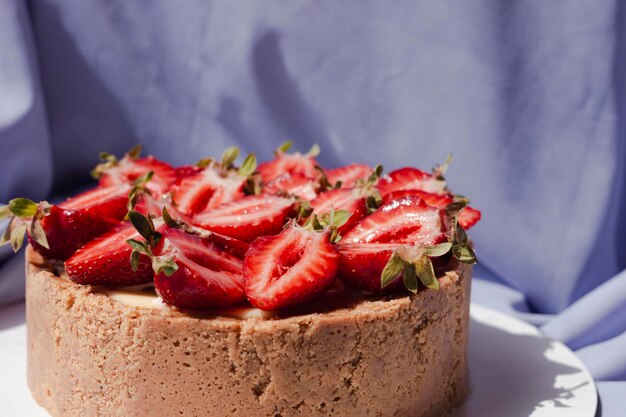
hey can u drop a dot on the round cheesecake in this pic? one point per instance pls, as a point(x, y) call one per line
point(97, 352)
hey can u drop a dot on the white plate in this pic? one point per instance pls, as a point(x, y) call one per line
point(515, 371)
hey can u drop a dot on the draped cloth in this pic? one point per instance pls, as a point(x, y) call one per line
point(527, 95)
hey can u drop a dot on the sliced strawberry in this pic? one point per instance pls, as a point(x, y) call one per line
point(207, 189)
point(102, 202)
point(404, 220)
point(361, 265)
point(248, 218)
point(285, 163)
point(106, 261)
point(290, 268)
point(207, 276)
point(349, 199)
point(349, 175)
point(467, 218)
point(77, 220)
point(185, 171)
point(128, 170)
point(297, 185)
point(411, 179)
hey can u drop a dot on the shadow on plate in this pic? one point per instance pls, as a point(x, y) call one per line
point(508, 379)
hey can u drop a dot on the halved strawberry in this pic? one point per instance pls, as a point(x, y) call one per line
point(407, 223)
point(125, 171)
point(175, 218)
point(361, 265)
point(202, 275)
point(284, 163)
point(467, 217)
point(411, 179)
point(349, 175)
point(290, 268)
point(185, 171)
point(106, 261)
point(297, 185)
point(77, 220)
point(350, 199)
point(248, 218)
point(207, 190)
point(404, 220)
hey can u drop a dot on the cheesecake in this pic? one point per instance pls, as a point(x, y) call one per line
point(222, 289)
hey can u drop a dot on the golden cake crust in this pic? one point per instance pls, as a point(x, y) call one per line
point(90, 355)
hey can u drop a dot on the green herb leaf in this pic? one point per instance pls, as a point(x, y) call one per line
point(438, 250)
point(23, 207)
point(426, 273)
point(6, 235)
point(394, 267)
point(304, 210)
point(409, 279)
point(252, 186)
point(375, 175)
point(284, 147)
point(229, 156)
point(373, 201)
point(134, 153)
point(5, 212)
point(134, 260)
point(441, 169)
point(165, 265)
point(17, 236)
point(167, 218)
point(143, 179)
point(140, 247)
point(460, 237)
point(464, 253)
point(248, 166)
point(456, 206)
point(107, 157)
point(203, 163)
point(339, 218)
point(323, 183)
point(314, 151)
point(38, 234)
point(144, 226)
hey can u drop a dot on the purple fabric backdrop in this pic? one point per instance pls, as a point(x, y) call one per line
point(528, 96)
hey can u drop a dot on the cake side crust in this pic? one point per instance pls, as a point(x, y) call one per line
point(90, 355)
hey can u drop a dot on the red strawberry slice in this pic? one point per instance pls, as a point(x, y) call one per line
point(77, 220)
point(207, 189)
point(284, 163)
point(186, 171)
point(106, 261)
point(404, 220)
point(366, 249)
point(467, 218)
point(290, 268)
point(411, 179)
point(128, 170)
point(102, 202)
point(361, 265)
point(297, 185)
point(349, 175)
point(207, 276)
point(348, 199)
point(248, 218)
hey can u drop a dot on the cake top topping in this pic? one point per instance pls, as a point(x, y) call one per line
point(275, 235)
